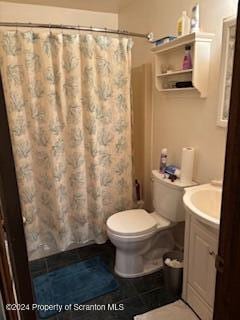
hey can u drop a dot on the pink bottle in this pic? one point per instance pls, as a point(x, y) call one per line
point(187, 60)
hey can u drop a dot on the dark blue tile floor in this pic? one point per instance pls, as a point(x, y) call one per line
point(138, 295)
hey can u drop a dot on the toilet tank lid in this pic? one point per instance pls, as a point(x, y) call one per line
point(177, 184)
point(131, 222)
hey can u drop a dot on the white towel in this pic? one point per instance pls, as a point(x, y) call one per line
point(174, 311)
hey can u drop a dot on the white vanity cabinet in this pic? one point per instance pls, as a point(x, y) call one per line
point(200, 249)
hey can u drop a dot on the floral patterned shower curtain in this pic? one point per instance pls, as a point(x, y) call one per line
point(68, 104)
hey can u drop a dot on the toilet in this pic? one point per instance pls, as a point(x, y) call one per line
point(141, 238)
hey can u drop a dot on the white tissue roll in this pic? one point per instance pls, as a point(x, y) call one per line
point(187, 165)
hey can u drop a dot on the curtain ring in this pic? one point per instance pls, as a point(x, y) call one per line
point(49, 29)
point(31, 28)
point(126, 33)
point(91, 30)
point(62, 28)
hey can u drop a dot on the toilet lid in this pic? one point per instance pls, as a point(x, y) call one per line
point(131, 222)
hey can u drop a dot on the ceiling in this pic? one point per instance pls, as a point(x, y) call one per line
point(93, 5)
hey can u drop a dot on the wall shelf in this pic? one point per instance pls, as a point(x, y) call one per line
point(177, 89)
point(171, 55)
point(172, 73)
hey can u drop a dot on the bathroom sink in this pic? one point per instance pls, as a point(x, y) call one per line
point(204, 201)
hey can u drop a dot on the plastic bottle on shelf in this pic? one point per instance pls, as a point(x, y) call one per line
point(187, 60)
point(183, 25)
point(195, 18)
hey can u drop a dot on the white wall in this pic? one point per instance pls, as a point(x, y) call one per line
point(14, 12)
point(181, 120)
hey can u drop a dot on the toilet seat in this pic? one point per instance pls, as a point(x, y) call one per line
point(161, 222)
point(131, 223)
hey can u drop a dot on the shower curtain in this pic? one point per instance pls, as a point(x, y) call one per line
point(68, 105)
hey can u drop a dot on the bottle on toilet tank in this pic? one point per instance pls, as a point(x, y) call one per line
point(163, 160)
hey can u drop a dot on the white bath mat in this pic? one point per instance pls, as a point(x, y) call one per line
point(174, 311)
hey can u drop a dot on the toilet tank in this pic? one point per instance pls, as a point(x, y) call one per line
point(167, 197)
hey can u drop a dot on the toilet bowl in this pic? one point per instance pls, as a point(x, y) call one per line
point(132, 232)
point(141, 238)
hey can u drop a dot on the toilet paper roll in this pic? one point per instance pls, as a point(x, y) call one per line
point(187, 165)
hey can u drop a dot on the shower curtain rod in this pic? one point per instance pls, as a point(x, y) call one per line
point(148, 36)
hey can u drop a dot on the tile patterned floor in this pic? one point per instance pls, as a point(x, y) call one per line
point(138, 295)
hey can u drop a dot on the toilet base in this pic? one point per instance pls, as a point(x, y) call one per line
point(144, 257)
point(150, 267)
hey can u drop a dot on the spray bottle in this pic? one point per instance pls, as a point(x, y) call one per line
point(163, 160)
point(195, 18)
